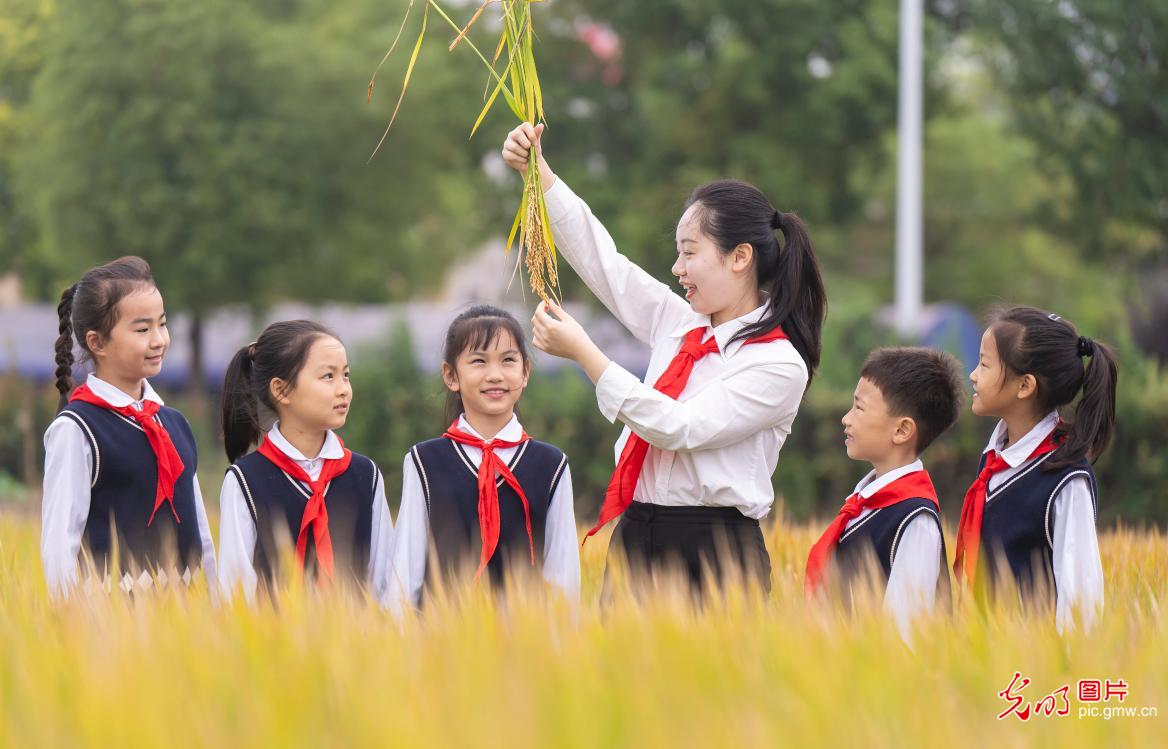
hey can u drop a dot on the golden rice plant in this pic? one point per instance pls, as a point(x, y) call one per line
point(518, 83)
point(328, 669)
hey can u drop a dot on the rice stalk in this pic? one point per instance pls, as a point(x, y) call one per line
point(518, 83)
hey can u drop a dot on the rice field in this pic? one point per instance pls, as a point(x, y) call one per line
point(478, 671)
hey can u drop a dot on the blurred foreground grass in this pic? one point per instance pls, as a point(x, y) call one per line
point(475, 671)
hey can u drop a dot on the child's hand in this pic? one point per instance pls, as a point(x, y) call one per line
point(557, 333)
point(518, 144)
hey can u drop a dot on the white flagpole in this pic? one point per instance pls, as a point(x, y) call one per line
point(909, 277)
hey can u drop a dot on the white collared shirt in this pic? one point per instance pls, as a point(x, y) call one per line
point(237, 530)
point(1078, 569)
point(717, 444)
point(66, 492)
point(912, 582)
point(561, 545)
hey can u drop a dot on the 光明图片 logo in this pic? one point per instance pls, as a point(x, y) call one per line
point(1092, 696)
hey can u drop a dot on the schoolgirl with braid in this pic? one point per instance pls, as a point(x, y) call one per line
point(119, 464)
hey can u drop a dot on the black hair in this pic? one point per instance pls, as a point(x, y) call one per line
point(1042, 344)
point(91, 304)
point(279, 353)
point(733, 212)
point(475, 329)
point(920, 383)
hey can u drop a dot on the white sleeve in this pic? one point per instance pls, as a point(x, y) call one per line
point(639, 301)
point(561, 544)
point(411, 540)
point(207, 542)
point(380, 544)
point(1078, 570)
point(728, 411)
point(912, 583)
point(65, 502)
point(237, 541)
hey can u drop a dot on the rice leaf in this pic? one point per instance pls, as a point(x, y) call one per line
point(475, 17)
point(514, 228)
point(400, 29)
point(469, 43)
point(486, 108)
point(406, 81)
point(494, 61)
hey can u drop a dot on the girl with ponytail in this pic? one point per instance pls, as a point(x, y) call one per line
point(119, 464)
point(1029, 518)
point(302, 485)
point(730, 363)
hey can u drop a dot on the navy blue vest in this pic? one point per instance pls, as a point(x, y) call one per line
point(121, 497)
point(877, 534)
point(277, 501)
point(1017, 527)
point(450, 482)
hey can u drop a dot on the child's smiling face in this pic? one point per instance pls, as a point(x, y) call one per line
point(137, 342)
point(871, 433)
point(995, 390)
point(489, 379)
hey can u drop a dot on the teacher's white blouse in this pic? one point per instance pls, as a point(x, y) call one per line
point(718, 444)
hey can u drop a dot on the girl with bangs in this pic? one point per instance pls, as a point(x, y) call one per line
point(484, 495)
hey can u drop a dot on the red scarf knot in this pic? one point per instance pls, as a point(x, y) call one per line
point(315, 517)
point(170, 465)
point(909, 486)
point(672, 382)
point(488, 506)
point(973, 508)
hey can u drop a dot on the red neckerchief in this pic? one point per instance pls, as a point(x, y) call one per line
point(315, 512)
point(672, 382)
point(969, 528)
point(170, 465)
point(910, 486)
point(489, 522)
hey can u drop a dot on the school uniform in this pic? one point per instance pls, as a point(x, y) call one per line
point(900, 532)
point(1038, 525)
point(713, 448)
point(265, 502)
point(103, 487)
point(440, 528)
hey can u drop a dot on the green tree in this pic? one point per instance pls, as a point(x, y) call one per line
point(1086, 82)
point(22, 27)
point(228, 147)
point(792, 95)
